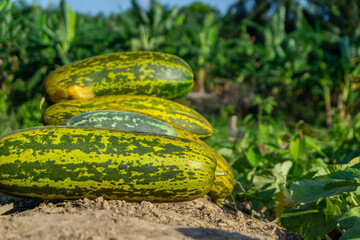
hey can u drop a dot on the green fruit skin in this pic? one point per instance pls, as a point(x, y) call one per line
point(131, 73)
point(126, 121)
point(58, 162)
point(224, 178)
point(223, 183)
point(155, 107)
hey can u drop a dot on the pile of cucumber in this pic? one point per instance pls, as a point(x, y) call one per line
point(113, 128)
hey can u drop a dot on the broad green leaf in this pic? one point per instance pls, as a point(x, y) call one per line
point(307, 191)
point(351, 234)
point(262, 179)
point(348, 173)
point(282, 169)
point(297, 147)
point(254, 157)
point(308, 222)
point(348, 177)
point(273, 178)
point(339, 183)
point(330, 170)
point(350, 221)
point(350, 218)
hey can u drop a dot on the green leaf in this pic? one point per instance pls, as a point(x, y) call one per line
point(3, 4)
point(311, 144)
point(307, 191)
point(356, 71)
point(283, 201)
point(264, 179)
point(350, 218)
point(348, 173)
point(70, 25)
point(308, 222)
point(274, 178)
point(254, 157)
point(330, 170)
point(327, 207)
point(350, 221)
point(351, 234)
point(297, 147)
point(282, 169)
point(348, 177)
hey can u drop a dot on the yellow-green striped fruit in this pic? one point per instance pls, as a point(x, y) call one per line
point(159, 108)
point(58, 162)
point(224, 177)
point(132, 73)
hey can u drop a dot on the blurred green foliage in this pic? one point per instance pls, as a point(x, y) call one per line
point(301, 56)
point(294, 148)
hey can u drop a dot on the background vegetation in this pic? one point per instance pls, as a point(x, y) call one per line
point(285, 75)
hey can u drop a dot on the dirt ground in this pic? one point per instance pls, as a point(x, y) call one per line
point(103, 219)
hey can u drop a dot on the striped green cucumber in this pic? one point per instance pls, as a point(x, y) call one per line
point(126, 121)
point(224, 178)
point(159, 108)
point(224, 181)
point(132, 73)
point(58, 162)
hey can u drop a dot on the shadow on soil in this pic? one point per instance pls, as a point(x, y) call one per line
point(214, 234)
point(11, 205)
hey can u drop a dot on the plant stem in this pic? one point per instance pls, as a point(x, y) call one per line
point(339, 229)
point(327, 237)
point(354, 200)
point(327, 99)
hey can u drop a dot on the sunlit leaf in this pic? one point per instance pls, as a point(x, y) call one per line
point(283, 201)
point(297, 147)
point(325, 206)
point(4, 3)
point(330, 170)
point(347, 177)
point(282, 169)
point(254, 157)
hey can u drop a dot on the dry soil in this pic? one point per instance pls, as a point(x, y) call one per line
point(115, 219)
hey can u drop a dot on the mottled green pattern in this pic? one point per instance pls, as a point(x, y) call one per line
point(162, 109)
point(127, 121)
point(56, 162)
point(133, 73)
point(223, 183)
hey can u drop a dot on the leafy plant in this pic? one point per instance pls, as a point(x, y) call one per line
point(322, 200)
